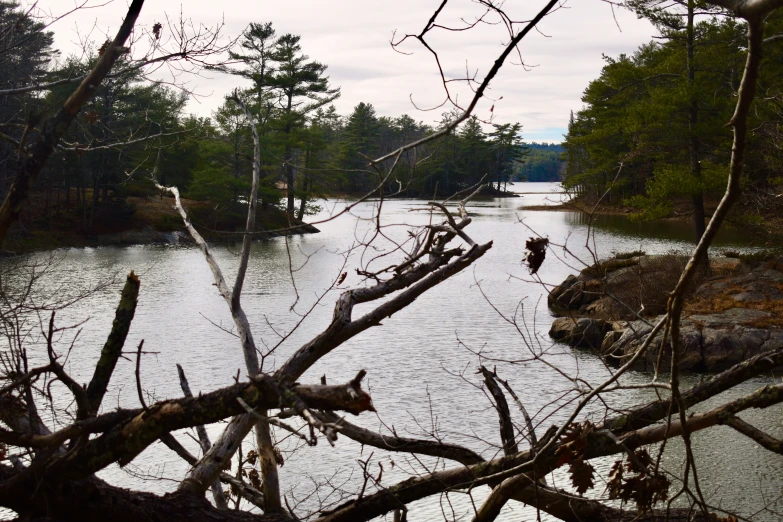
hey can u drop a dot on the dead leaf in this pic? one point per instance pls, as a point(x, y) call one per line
point(536, 252)
point(581, 475)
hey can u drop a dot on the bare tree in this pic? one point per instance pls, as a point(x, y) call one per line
point(50, 474)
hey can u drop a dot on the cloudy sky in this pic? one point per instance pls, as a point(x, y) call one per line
point(352, 38)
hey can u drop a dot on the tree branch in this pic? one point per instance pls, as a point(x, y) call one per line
point(204, 442)
point(504, 415)
point(114, 343)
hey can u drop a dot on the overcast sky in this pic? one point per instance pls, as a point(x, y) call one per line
point(352, 38)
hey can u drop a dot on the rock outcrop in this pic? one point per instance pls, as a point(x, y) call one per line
point(710, 343)
point(730, 316)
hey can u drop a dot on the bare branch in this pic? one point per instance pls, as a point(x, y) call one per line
point(114, 343)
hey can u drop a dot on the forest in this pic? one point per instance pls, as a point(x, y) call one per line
point(542, 162)
point(652, 133)
point(134, 125)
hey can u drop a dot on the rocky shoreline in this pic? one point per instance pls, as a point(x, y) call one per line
point(735, 311)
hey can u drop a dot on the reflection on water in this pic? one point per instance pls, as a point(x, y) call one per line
point(417, 361)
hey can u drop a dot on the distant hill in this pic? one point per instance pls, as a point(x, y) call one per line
point(542, 163)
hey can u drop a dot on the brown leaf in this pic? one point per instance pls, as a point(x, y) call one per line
point(103, 47)
point(254, 478)
point(536, 252)
point(581, 475)
point(279, 457)
point(615, 483)
point(644, 486)
point(572, 442)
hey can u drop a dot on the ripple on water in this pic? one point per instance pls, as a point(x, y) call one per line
point(417, 368)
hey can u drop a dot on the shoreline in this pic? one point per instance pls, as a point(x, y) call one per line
point(134, 237)
point(767, 231)
point(154, 221)
point(575, 206)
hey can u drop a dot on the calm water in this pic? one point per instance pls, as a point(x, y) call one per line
point(421, 371)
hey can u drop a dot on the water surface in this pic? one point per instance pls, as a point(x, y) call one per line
point(421, 362)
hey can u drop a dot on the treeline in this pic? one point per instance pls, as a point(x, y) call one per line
point(134, 127)
point(543, 162)
point(654, 124)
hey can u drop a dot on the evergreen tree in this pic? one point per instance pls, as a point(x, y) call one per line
point(360, 141)
point(675, 21)
point(25, 53)
point(257, 44)
point(475, 154)
point(640, 113)
point(507, 151)
point(303, 88)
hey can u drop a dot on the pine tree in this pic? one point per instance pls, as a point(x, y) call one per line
point(362, 131)
point(303, 88)
point(507, 151)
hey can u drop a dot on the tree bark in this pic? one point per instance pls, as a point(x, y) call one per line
point(289, 168)
point(204, 442)
point(91, 499)
point(112, 350)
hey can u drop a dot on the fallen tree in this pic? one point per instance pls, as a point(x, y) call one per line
point(48, 470)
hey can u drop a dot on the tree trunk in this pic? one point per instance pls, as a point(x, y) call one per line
point(236, 165)
point(302, 207)
point(305, 187)
point(268, 464)
point(289, 179)
point(84, 201)
point(693, 117)
point(93, 499)
point(95, 193)
point(289, 169)
point(47, 196)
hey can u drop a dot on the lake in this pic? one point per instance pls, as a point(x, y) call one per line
point(421, 363)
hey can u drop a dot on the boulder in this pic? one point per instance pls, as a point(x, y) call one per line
point(753, 295)
point(610, 338)
point(724, 265)
point(581, 333)
point(774, 342)
point(636, 335)
point(722, 349)
point(753, 340)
